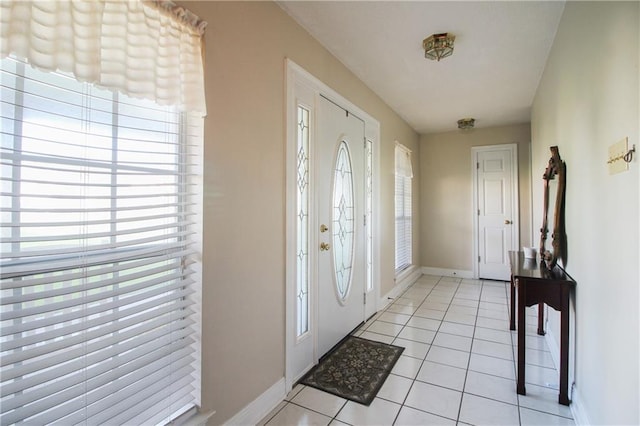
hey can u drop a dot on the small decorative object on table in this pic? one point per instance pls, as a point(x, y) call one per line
point(529, 252)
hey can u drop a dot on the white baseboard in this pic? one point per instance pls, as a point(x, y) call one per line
point(458, 273)
point(194, 418)
point(554, 349)
point(403, 281)
point(578, 409)
point(261, 406)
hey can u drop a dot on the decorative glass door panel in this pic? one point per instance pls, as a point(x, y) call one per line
point(302, 223)
point(343, 221)
point(368, 222)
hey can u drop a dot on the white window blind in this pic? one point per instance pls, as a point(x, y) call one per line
point(100, 281)
point(403, 215)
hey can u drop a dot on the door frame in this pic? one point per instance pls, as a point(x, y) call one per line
point(515, 200)
point(299, 80)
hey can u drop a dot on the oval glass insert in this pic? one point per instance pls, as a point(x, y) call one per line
point(343, 221)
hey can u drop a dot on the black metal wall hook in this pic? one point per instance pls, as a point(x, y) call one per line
point(628, 157)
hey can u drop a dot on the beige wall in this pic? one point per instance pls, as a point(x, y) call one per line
point(587, 100)
point(446, 188)
point(244, 218)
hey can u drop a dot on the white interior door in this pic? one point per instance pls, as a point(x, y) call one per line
point(339, 164)
point(497, 202)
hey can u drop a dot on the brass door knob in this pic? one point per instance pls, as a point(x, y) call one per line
point(324, 246)
point(507, 222)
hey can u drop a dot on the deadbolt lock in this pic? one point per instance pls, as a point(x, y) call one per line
point(324, 228)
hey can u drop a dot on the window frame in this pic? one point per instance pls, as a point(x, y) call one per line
point(403, 208)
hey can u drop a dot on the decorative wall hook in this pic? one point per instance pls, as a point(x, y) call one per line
point(627, 157)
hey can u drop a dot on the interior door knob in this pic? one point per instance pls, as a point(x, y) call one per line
point(507, 222)
point(324, 246)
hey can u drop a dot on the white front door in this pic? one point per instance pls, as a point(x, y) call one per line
point(496, 191)
point(324, 304)
point(340, 191)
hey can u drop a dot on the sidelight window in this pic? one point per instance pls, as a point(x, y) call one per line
point(302, 223)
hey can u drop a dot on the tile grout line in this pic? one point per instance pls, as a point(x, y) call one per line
point(415, 379)
point(510, 304)
point(402, 405)
point(466, 373)
point(425, 355)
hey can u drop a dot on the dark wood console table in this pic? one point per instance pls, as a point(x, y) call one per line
point(538, 285)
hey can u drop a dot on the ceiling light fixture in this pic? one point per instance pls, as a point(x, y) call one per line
point(438, 46)
point(466, 123)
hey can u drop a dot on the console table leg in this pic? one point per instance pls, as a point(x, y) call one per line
point(541, 319)
point(522, 329)
point(512, 325)
point(564, 348)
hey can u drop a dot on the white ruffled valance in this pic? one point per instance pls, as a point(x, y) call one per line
point(403, 161)
point(150, 49)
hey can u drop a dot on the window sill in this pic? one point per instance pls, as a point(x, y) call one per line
point(406, 274)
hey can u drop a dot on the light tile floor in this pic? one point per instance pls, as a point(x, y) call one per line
point(458, 366)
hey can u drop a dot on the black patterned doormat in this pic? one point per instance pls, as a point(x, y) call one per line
point(355, 370)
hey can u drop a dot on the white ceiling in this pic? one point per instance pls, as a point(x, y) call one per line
point(500, 52)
